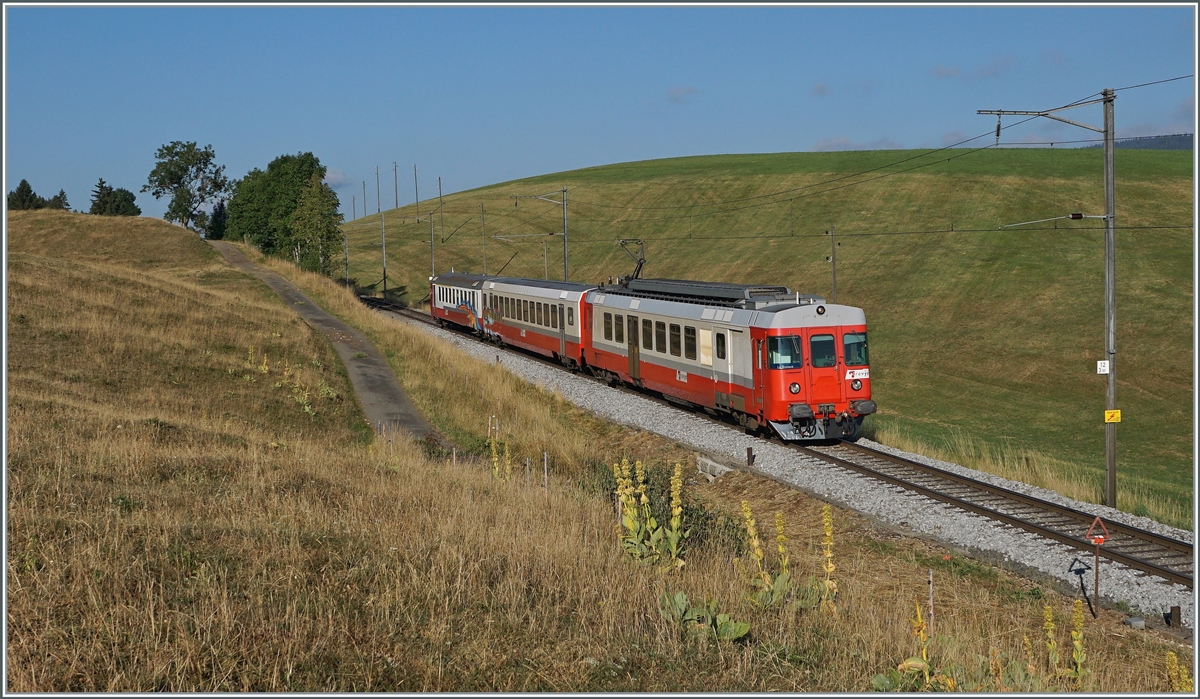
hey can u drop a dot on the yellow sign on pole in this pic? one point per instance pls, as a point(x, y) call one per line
point(1112, 415)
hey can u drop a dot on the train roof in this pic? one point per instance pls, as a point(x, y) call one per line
point(747, 296)
point(476, 281)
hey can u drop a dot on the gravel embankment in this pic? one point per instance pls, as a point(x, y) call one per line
point(1011, 547)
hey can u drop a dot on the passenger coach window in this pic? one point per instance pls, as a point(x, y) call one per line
point(647, 334)
point(675, 339)
point(608, 326)
point(720, 345)
point(855, 345)
point(619, 327)
point(553, 317)
point(539, 314)
point(660, 336)
point(524, 311)
point(785, 352)
point(633, 331)
point(571, 316)
point(824, 353)
point(689, 342)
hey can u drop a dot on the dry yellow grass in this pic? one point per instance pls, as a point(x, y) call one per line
point(176, 526)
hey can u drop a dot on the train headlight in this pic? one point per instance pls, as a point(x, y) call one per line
point(794, 388)
point(856, 385)
point(820, 310)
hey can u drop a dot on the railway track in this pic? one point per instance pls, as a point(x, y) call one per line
point(1144, 551)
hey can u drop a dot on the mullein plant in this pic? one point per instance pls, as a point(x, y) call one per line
point(635, 527)
point(1078, 669)
point(640, 534)
point(1177, 675)
point(827, 546)
point(1051, 644)
point(674, 535)
point(773, 585)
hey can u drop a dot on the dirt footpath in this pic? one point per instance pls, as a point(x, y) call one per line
point(383, 401)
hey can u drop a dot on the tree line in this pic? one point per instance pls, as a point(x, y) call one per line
point(106, 201)
point(286, 210)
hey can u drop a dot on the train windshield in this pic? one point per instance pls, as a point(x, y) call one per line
point(823, 353)
point(785, 352)
point(855, 345)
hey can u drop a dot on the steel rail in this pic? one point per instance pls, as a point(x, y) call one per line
point(1080, 543)
point(1084, 518)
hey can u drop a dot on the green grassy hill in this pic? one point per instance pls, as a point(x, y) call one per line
point(982, 339)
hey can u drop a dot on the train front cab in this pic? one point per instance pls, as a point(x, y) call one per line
point(816, 374)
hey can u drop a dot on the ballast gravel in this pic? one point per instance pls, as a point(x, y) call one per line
point(1012, 547)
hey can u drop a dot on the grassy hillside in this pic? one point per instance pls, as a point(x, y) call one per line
point(178, 521)
point(980, 337)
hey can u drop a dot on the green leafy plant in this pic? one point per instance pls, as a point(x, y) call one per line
point(706, 618)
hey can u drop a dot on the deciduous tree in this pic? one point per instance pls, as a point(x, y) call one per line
point(314, 225)
point(190, 177)
point(263, 201)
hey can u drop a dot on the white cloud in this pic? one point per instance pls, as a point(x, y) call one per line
point(992, 68)
point(336, 179)
point(996, 66)
point(678, 95)
point(953, 137)
point(942, 71)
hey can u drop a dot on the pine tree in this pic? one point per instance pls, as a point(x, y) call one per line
point(23, 198)
point(215, 230)
point(59, 201)
point(100, 197)
point(107, 201)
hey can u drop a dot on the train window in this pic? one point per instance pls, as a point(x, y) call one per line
point(720, 345)
point(689, 342)
point(660, 336)
point(538, 316)
point(608, 326)
point(675, 344)
point(647, 334)
point(855, 345)
point(619, 329)
point(823, 351)
point(553, 317)
point(785, 352)
point(571, 316)
point(633, 331)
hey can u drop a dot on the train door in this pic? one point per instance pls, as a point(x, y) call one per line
point(635, 357)
point(562, 333)
point(760, 351)
point(826, 386)
point(741, 364)
point(722, 365)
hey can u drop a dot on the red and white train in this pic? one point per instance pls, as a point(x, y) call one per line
point(761, 355)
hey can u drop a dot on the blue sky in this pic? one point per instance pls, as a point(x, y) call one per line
point(479, 95)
